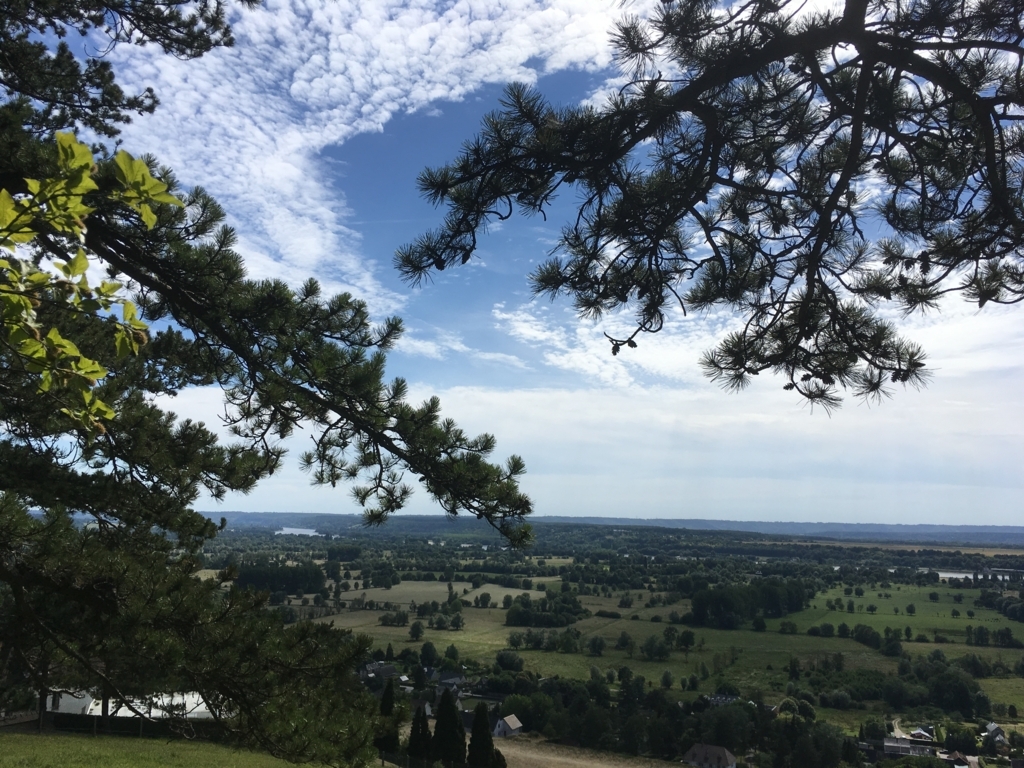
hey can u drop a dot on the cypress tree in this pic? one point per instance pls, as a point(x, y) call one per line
point(449, 742)
point(419, 737)
point(387, 736)
point(387, 701)
point(481, 744)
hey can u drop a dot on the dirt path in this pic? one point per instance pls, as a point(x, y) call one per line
point(527, 752)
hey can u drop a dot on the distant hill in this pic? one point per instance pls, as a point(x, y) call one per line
point(438, 525)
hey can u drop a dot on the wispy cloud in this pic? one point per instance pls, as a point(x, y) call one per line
point(444, 344)
point(250, 122)
point(565, 342)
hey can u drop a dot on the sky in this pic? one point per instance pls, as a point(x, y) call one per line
point(311, 132)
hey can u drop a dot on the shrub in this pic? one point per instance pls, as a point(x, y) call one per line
point(509, 660)
point(787, 628)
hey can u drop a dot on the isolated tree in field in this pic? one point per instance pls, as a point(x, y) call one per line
point(481, 744)
point(419, 736)
point(686, 640)
point(416, 631)
point(804, 168)
point(449, 741)
point(911, 609)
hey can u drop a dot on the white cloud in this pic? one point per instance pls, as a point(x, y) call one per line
point(445, 343)
point(947, 454)
point(249, 122)
point(582, 347)
point(641, 433)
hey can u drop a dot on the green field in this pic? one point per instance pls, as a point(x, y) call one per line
point(755, 652)
point(19, 750)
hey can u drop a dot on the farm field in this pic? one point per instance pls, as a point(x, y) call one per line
point(966, 549)
point(750, 660)
point(49, 750)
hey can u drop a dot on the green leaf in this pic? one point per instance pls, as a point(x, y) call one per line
point(148, 217)
point(79, 264)
point(125, 168)
point(72, 154)
point(14, 222)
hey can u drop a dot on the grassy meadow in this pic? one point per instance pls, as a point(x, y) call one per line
point(751, 660)
point(23, 750)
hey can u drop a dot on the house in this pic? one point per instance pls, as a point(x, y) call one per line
point(709, 756)
point(508, 726)
point(379, 670)
point(998, 734)
point(77, 703)
point(921, 734)
point(164, 705)
point(955, 759)
point(450, 679)
point(902, 747)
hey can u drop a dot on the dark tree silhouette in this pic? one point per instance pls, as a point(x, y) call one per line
point(799, 168)
point(449, 742)
point(481, 742)
point(419, 737)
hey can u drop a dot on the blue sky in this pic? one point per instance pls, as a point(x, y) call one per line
point(311, 132)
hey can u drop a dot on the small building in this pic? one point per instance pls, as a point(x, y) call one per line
point(997, 734)
point(921, 735)
point(719, 700)
point(451, 678)
point(955, 760)
point(709, 756)
point(164, 705)
point(508, 726)
point(902, 747)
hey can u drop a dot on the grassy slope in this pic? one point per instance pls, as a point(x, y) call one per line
point(19, 750)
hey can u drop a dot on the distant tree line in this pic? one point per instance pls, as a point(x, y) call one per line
point(730, 606)
point(277, 577)
point(555, 609)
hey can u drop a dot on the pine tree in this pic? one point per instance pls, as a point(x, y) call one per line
point(449, 742)
point(481, 742)
point(387, 738)
point(419, 737)
point(389, 654)
point(131, 618)
point(739, 165)
point(387, 700)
